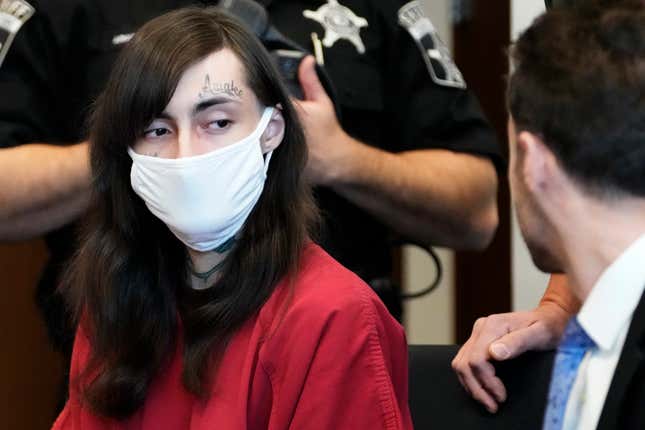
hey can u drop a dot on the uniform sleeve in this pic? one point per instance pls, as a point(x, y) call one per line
point(342, 369)
point(558, 292)
point(428, 114)
point(30, 75)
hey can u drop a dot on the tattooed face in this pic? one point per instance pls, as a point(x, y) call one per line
point(212, 107)
point(214, 89)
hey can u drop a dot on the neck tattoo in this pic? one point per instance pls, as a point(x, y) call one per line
point(226, 246)
point(207, 274)
point(203, 276)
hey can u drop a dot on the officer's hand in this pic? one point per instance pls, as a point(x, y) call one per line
point(328, 143)
point(502, 337)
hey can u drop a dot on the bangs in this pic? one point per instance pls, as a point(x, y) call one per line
point(149, 68)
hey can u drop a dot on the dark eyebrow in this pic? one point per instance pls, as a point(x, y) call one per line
point(205, 104)
point(201, 106)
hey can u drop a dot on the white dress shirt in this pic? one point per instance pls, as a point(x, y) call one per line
point(605, 316)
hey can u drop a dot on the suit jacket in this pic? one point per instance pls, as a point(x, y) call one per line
point(624, 407)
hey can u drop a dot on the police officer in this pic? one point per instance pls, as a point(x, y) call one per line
point(411, 152)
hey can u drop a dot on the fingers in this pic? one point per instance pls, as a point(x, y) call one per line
point(499, 350)
point(478, 379)
point(297, 104)
point(479, 393)
point(490, 383)
point(311, 86)
point(536, 336)
point(501, 337)
point(472, 362)
point(479, 374)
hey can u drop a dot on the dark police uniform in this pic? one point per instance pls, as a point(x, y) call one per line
point(394, 95)
point(396, 86)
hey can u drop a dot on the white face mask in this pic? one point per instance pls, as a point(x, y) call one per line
point(204, 200)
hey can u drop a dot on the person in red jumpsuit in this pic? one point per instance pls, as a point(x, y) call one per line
point(201, 299)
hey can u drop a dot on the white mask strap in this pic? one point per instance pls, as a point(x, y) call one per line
point(262, 125)
point(264, 121)
point(266, 161)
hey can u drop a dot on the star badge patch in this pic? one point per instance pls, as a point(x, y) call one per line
point(339, 23)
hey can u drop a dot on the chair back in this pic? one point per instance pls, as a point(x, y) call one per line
point(438, 401)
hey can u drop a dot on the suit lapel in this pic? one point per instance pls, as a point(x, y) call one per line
point(631, 358)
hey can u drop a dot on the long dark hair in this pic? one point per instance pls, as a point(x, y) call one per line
point(128, 282)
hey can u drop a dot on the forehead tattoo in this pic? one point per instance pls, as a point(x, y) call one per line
point(218, 88)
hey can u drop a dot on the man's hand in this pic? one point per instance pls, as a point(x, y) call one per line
point(329, 146)
point(502, 337)
point(432, 195)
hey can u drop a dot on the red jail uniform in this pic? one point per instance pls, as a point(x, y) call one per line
point(323, 353)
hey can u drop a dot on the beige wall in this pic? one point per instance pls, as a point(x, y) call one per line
point(431, 319)
point(528, 282)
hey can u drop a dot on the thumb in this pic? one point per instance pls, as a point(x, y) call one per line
point(517, 342)
point(311, 86)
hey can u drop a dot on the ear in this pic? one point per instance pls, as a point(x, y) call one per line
point(274, 133)
point(537, 166)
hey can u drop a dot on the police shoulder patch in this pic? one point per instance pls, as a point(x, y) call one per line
point(435, 53)
point(13, 14)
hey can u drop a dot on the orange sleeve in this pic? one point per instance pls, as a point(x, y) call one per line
point(559, 293)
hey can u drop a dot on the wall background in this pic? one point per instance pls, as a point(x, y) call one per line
point(527, 281)
point(431, 319)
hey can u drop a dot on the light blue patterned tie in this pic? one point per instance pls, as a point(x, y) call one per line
point(573, 346)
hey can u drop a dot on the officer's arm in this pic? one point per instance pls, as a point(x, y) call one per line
point(434, 196)
point(42, 187)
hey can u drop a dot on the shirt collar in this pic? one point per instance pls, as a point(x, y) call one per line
point(613, 299)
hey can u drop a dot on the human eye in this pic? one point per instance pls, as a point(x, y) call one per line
point(219, 124)
point(156, 132)
point(157, 129)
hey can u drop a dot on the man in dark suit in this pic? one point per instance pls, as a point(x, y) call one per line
point(577, 174)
